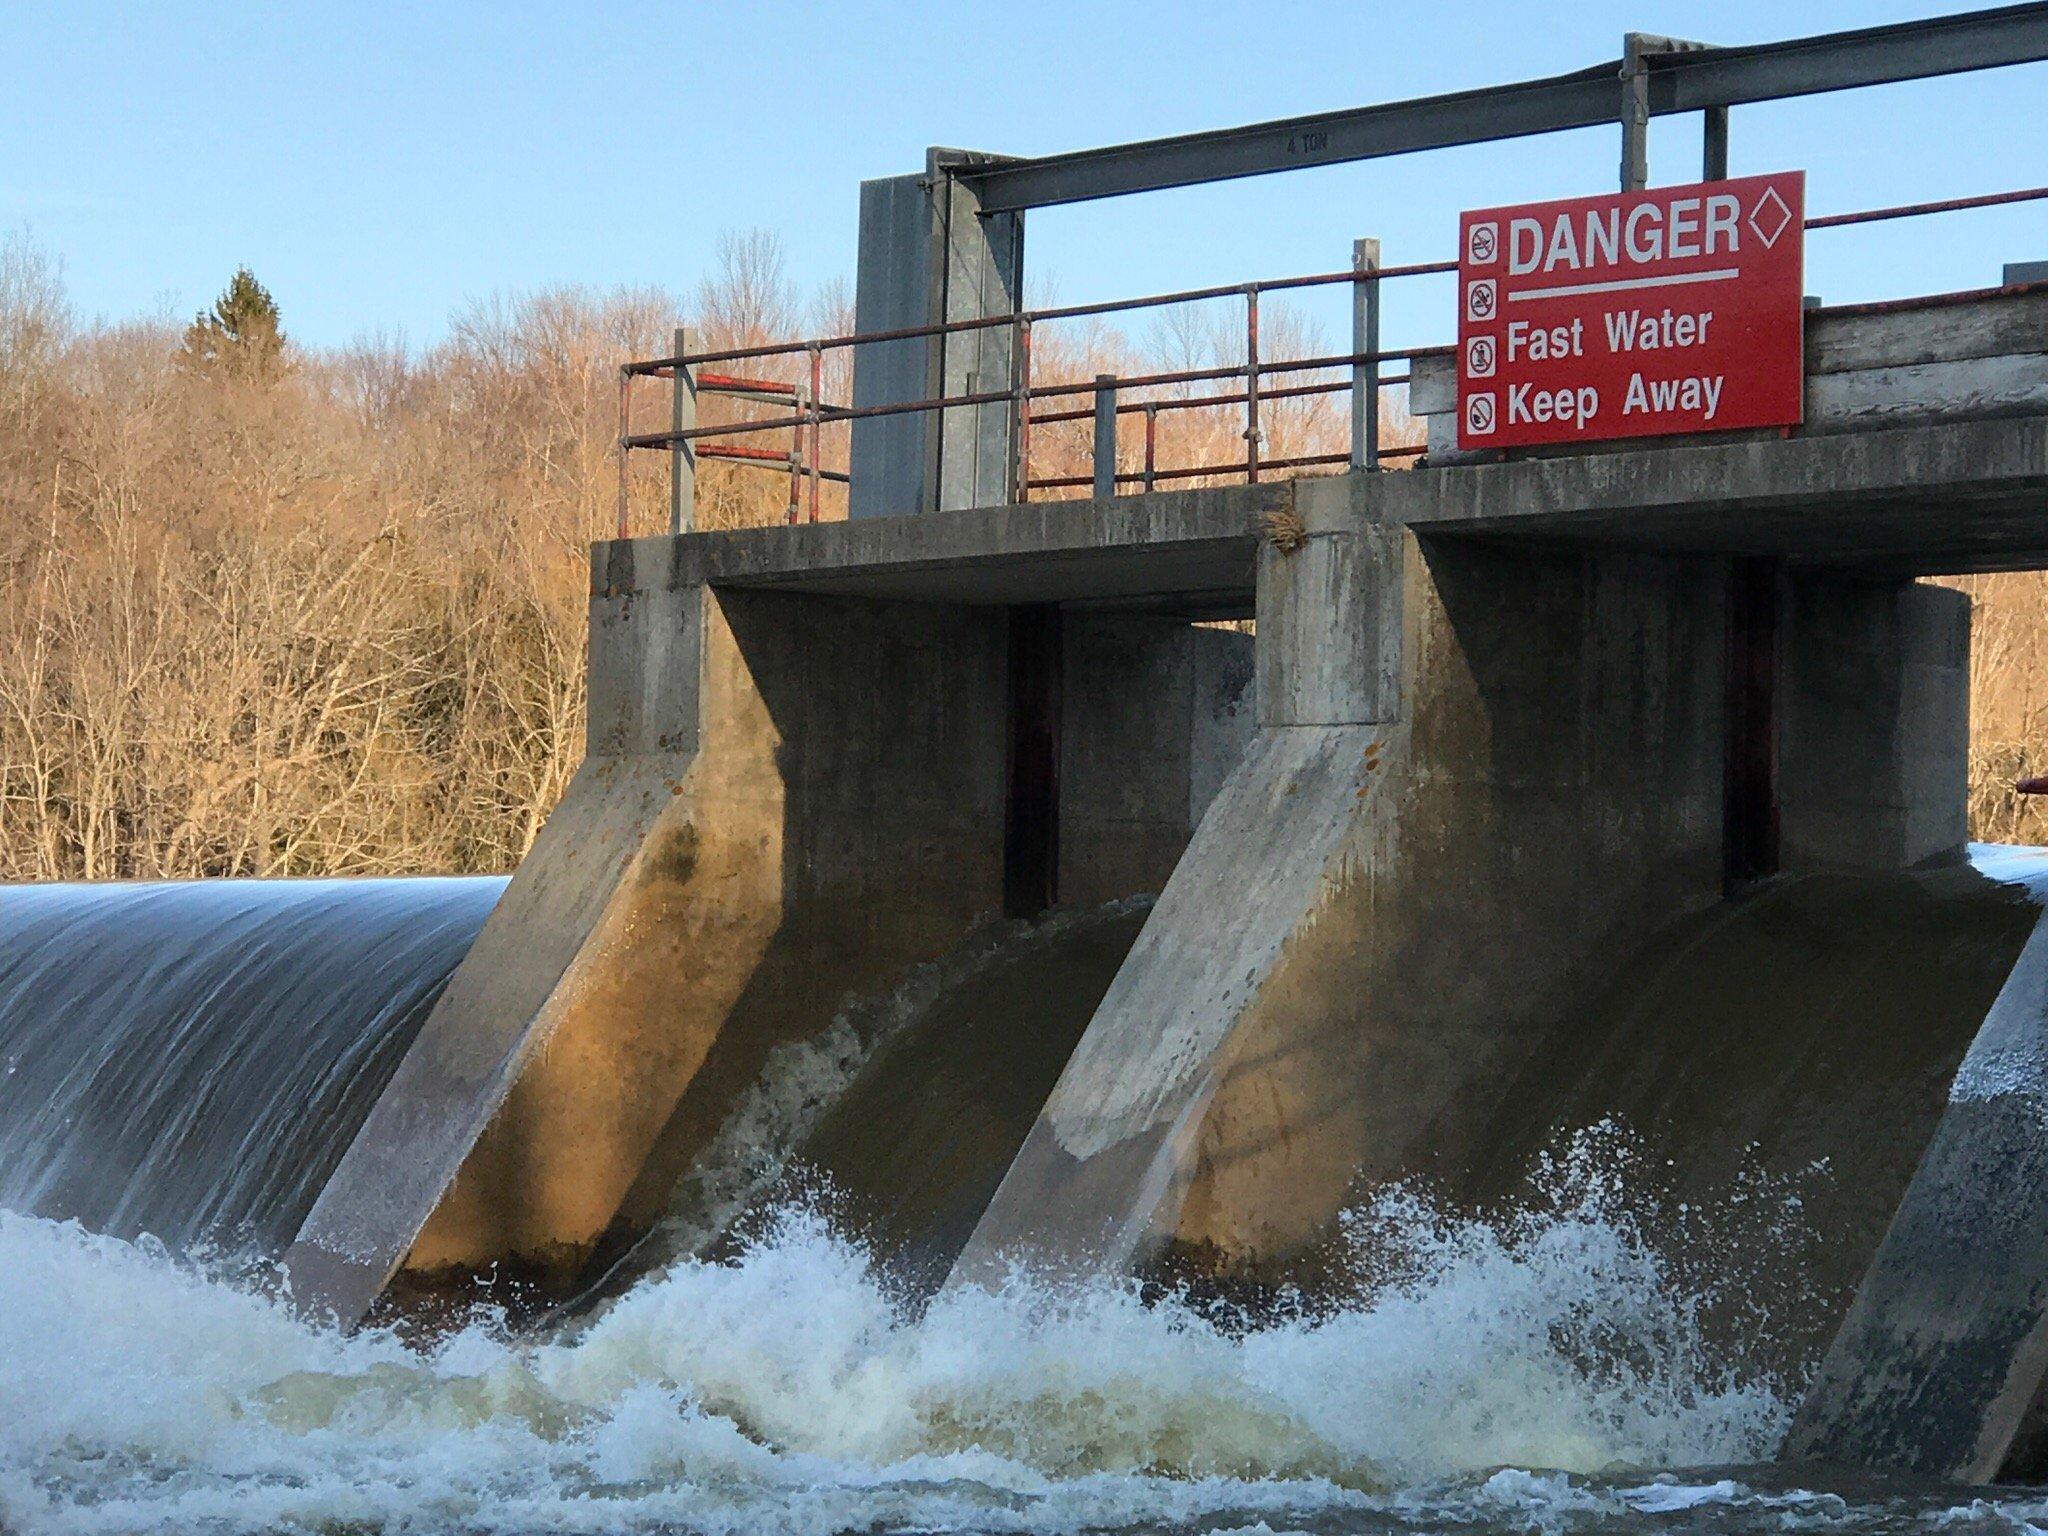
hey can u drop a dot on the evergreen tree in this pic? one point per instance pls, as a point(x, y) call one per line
point(240, 337)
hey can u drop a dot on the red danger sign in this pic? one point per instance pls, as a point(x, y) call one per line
point(1632, 315)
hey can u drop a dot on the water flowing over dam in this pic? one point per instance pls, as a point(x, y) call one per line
point(188, 1060)
point(903, 1116)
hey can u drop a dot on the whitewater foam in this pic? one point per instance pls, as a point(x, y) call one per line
point(788, 1391)
point(801, 1080)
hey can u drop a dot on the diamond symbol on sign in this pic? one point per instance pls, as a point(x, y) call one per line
point(1769, 217)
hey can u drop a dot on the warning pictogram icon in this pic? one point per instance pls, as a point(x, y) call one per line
point(1479, 415)
point(1479, 358)
point(1480, 299)
point(1482, 245)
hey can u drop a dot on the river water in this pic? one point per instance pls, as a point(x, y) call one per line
point(1537, 1371)
point(1586, 1344)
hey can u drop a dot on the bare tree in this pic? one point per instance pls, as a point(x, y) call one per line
point(748, 300)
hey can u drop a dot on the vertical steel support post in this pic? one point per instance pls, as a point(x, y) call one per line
point(1636, 49)
point(1714, 144)
point(1020, 373)
point(1151, 443)
point(682, 458)
point(1365, 353)
point(1105, 436)
point(625, 427)
point(817, 424)
point(1251, 383)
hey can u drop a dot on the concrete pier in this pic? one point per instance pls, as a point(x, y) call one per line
point(930, 256)
point(1479, 769)
point(789, 800)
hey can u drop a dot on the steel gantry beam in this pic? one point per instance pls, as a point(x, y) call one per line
point(1696, 80)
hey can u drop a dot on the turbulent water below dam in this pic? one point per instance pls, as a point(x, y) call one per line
point(1541, 1372)
point(1543, 1348)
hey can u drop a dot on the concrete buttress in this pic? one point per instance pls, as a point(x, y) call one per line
point(1480, 771)
point(789, 801)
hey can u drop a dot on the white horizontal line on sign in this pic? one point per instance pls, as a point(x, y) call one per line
point(1672, 280)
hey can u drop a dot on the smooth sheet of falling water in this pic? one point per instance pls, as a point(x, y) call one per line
point(190, 1060)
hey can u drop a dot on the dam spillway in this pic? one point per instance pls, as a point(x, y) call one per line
point(1365, 915)
point(1563, 1319)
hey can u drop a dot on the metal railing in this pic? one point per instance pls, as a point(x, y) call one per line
point(686, 441)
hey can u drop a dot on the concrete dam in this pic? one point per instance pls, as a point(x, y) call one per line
point(1448, 855)
point(1166, 889)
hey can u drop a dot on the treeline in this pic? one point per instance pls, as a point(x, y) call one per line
point(272, 609)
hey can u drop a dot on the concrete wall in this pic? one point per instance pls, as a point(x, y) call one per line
point(1873, 722)
point(1156, 713)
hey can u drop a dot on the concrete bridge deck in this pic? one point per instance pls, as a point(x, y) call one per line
point(1923, 500)
point(1949, 497)
point(1186, 549)
point(1925, 451)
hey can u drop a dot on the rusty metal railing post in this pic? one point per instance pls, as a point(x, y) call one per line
point(1151, 443)
point(800, 417)
point(1020, 369)
point(682, 456)
point(1105, 436)
point(796, 466)
point(1251, 383)
point(817, 424)
point(1365, 350)
point(625, 430)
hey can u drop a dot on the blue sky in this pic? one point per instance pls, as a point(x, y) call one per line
point(379, 165)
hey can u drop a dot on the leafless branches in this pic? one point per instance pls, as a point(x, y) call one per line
point(333, 621)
